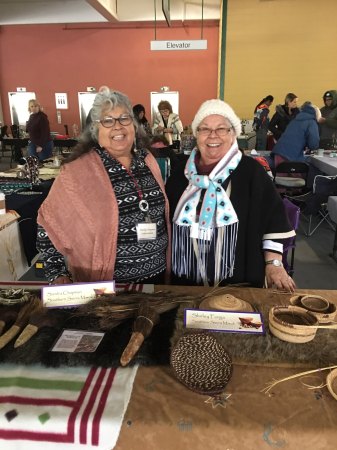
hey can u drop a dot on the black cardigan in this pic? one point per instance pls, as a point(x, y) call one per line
point(260, 211)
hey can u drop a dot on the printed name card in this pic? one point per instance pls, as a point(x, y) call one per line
point(77, 341)
point(230, 322)
point(67, 295)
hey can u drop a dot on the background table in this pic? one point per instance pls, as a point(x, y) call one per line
point(325, 164)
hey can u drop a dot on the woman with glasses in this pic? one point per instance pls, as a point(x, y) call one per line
point(168, 123)
point(228, 219)
point(106, 216)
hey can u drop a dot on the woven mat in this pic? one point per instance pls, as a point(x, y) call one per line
point(267, 349)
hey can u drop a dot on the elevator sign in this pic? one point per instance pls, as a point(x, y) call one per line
point(200, 44)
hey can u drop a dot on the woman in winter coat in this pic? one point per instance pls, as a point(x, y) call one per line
point(284, 115)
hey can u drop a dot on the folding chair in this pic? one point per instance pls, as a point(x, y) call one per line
point(290, 177)
point(289, 244)
point(314, 203)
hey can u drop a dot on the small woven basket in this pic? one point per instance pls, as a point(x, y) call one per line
point(13, 296)
point(310, 303)
point(292, 324)
point(201, 363)
point(331, 383)
point(226, 302)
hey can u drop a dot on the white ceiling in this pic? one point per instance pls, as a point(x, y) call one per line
point(15, 12)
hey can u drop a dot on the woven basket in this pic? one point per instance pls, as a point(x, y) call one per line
point(331, 382)
point(292, 324)
point(226, 302)
point(201, 363)
point(326, 316)
point(13, 296)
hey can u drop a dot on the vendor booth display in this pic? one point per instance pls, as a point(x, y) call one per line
point(187, 385)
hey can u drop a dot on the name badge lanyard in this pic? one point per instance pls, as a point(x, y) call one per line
point(143, 204)
point(146, 231)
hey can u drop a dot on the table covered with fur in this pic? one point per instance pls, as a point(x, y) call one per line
point(291, 416)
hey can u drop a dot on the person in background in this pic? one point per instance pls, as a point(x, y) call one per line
point(144, 132)
point(228, 219)
point(300, 135)
point(188, 141)
point(261, 121)
point(106, 216)
point(284, 114)
point(160, 148)
point(328, 121)
point(40, 142)
point(168, 123)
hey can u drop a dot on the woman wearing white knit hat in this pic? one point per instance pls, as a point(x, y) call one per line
point(228, 219)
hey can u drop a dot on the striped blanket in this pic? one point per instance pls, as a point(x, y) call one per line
point(64, 408)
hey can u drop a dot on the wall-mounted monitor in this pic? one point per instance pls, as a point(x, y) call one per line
point(166, 11)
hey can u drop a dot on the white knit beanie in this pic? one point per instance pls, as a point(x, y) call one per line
point(219, 107)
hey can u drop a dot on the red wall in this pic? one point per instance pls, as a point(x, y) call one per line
point(55, 58)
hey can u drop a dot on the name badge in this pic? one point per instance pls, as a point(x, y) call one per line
point(146, 231)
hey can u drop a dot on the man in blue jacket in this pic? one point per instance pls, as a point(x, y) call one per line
point(300, 135)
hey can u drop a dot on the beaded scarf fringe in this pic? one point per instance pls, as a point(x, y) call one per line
point(191, 256)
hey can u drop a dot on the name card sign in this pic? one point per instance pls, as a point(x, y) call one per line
point(230, 322)
point(197, 44)
point(68, 295)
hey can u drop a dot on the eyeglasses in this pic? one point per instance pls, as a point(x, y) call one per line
point(222, 131)
point(109, 122)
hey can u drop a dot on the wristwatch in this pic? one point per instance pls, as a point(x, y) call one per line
point(275, 262)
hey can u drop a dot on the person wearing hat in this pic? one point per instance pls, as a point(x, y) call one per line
point(228, 220)
point(328, 122)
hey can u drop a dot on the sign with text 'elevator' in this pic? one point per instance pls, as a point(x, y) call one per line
point(200, 44)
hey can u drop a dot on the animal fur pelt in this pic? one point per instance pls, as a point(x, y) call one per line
point(154, 351)
point(267, 349)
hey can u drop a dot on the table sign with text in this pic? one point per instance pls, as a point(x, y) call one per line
point(67, 295)
point(77, 341)
point(230, 322)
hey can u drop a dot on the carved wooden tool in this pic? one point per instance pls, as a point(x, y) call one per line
point(146, 318)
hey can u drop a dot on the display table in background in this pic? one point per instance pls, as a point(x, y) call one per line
point(326, 164)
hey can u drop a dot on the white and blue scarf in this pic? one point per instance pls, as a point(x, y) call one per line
point(216, 227)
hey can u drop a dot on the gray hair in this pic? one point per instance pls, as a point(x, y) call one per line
point(105, 101)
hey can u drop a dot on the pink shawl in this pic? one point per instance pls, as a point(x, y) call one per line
point(80, 216)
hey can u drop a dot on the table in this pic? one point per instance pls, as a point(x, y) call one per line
point(325, 164)
point(27, 207)
point(65, 143)
point(246, 141)
point(163, 414)
point(16, 144)
point(13, 262)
